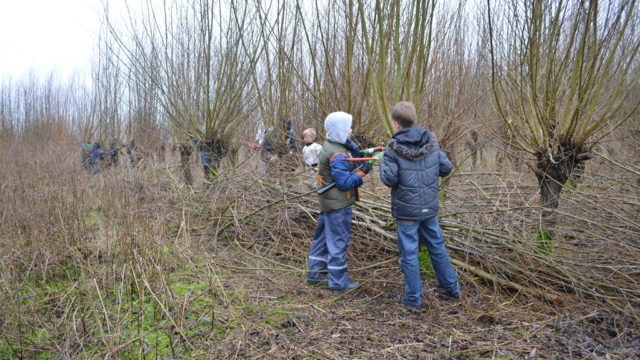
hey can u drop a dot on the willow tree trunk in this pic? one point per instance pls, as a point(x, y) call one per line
point(185, 155)
point(553, 171)
point(160, 153)
point(474, 147)
point(211, 154)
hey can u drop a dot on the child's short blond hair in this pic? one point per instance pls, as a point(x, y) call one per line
point(311, 132)
point(404, 113)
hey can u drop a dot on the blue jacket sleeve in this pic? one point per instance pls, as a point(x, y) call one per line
point(342, 175)
point(389, 169)
point(445, 165)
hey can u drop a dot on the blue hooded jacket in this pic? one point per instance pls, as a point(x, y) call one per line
point(411, 167)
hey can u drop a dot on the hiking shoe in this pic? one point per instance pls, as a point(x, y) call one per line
point(403, 300)
point(443, 294)
point(352, 286)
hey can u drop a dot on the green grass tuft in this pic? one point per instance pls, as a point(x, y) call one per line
point(544, 241)
point(426, 268)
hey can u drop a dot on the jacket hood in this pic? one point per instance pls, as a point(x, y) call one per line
point(337, 126)
point(413, 143)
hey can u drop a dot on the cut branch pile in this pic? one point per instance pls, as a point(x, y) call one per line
point(490, 225)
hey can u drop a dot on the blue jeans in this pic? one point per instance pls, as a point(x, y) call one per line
point(408, 244)
point(329, 248)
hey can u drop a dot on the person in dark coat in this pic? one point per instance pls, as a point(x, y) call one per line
point(113, 154)
point(278, 141)
point(96, 157)
point(412, 165)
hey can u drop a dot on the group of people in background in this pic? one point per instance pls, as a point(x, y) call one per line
point(280, 141)
point(274, 144)
point(411, 166)
point(95, 159)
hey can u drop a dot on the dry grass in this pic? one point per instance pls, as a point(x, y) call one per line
point(134, 263)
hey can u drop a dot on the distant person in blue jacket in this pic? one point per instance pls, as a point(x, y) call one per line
point(95, 157)
point(411, 167)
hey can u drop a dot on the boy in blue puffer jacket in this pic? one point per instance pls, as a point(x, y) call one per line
point(413, 163)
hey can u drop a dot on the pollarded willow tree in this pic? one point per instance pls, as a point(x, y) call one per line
point(311, 62)
point(560, 75)
point(364, 56)
point(397, 39)
point(336, 68)
point(272, 37)
point(353, 56)
point(189, 55)
point(145, 129)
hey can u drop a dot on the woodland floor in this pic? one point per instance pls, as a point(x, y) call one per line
point(299, 321)
point(116, 274)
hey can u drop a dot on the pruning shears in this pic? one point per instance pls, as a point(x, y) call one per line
point(378, 151)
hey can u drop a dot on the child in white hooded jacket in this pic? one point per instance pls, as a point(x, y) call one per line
point(333, 232)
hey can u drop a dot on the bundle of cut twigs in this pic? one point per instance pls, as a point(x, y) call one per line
point(490, 224)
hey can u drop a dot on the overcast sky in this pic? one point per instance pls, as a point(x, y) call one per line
point(47, 35)
point(44, 36)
